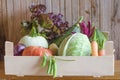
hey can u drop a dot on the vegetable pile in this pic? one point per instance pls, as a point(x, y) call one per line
point(48, 35)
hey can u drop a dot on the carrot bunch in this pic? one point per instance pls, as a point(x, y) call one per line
point(97, 43)
point(102, 38)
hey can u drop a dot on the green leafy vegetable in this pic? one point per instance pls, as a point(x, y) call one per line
point(101, 38)
point(33, 32)
point(94, 37)
point(45, 21)
point(77, 44)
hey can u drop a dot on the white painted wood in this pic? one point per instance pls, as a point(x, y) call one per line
point(109, 48)
point(81, 66)
point(8, 48)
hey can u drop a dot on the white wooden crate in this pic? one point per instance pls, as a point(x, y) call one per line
point(82, 66)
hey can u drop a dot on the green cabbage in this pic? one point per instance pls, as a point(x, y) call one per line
point(77, 44)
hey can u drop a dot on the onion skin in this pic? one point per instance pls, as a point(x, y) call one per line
point(18, 49)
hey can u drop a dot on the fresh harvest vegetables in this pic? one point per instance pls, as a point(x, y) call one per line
point(18, 49)
point(47, 34)
point(50, 24)
point(77, 44)
point(36, 51)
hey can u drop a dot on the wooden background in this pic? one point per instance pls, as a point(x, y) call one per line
point(104, 13)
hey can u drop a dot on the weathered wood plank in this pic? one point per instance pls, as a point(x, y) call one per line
point(34, 1)
point(55, 6)
point(118, 29)
point(23, 9)
point(62, 8)
point(85, 9)
point(75, 11)
point(95, 12)
point(115, 27)
point(28, 4)
point(42, 1)
point(16, 21)
point(48, 5)
point(1, 21)
point(10, 16)
point(68, 12)
point(4, 18)
point(1, 25)
point(104, 13)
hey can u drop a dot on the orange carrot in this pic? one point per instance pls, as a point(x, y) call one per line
point(94, 46)
point(101, 52)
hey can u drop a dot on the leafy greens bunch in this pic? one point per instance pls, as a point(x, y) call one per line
point(48, 24)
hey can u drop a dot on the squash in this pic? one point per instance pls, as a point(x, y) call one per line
point(34, 39)
point(54, 48)
point(36, 51)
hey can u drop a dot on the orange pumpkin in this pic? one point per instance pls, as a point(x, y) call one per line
point(36, 51)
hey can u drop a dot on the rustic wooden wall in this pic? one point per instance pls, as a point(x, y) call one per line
point(104, 13)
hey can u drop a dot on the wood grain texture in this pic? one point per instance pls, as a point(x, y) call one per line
point(75, 11)
point(16, 20)
point(95, 13)
point(1, 21)
point(42, 1)
point(104, 13)
point(4, 18)
point(8, 77)
point(62, 8)
point(55, 6)
point(48, 4)
point(10, 19)
point(68, 11)
point(1, 29)
point(85, 9)
point(115, 26)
